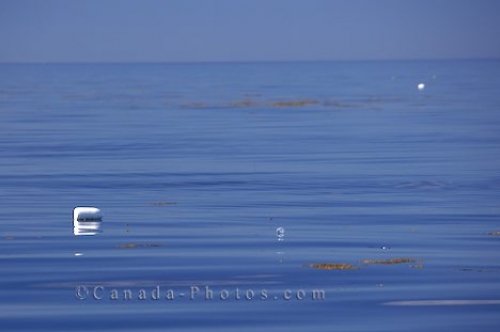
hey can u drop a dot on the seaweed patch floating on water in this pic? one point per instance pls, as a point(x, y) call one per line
point(333, 266)
point(295, 103)
point(389, 261)
point(133, 245)
point(251, 103)
point(244, 103)
point(337, 104)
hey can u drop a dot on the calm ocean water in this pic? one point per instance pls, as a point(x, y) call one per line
point(195, 166)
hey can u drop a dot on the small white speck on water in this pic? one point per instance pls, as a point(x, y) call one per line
point(78, 254)
point(280, 233)
point(420, 86)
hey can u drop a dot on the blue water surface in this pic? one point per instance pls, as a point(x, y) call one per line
point(195, 166)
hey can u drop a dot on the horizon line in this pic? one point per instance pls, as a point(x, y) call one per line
point(247, 61)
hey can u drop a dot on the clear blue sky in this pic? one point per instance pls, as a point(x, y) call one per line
point(246, 30)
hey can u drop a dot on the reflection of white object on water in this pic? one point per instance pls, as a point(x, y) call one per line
point(280, 233)
point(281, 256)
point(86, 227)
point(86, 220)
point(421, 86)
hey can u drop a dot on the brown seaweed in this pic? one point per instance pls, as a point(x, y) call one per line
point(389, 261)
point(295, 103)
point(333, 266)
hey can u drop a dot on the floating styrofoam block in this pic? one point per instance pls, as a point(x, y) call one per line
point(86, 220)
point(420, 86)
point(86, 213)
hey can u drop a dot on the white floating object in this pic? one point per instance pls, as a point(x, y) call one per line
point(86, 220)
point(86, 213)
point(280, 233)
point(421, 86)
